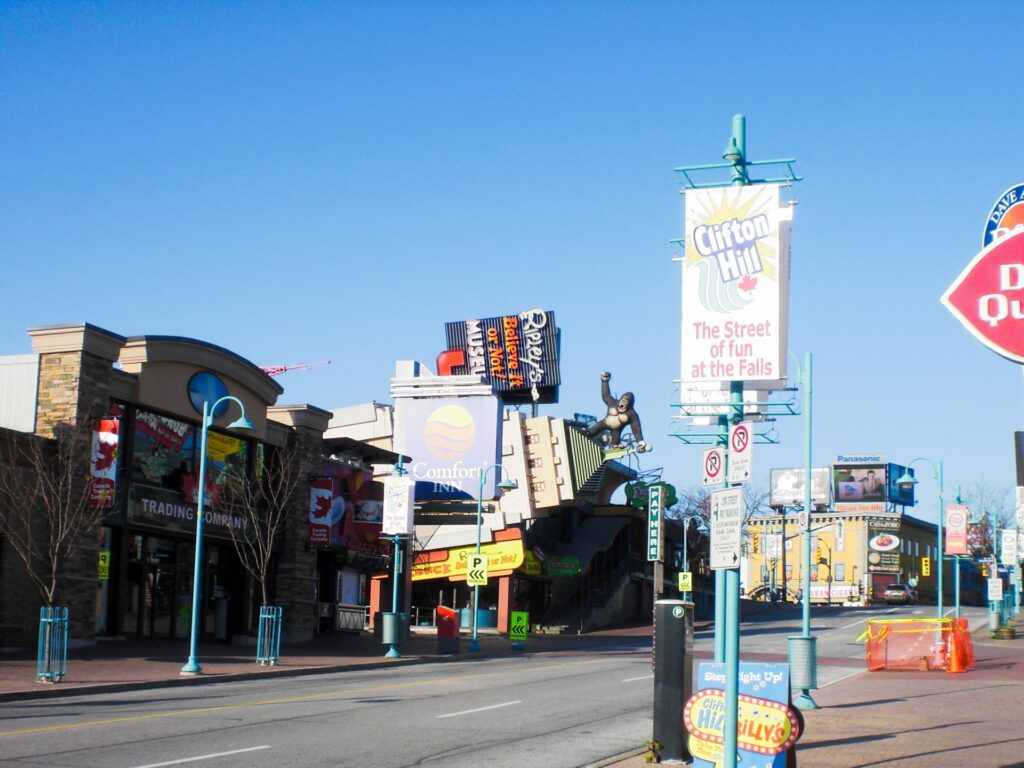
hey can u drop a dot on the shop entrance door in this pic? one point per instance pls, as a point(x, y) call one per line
point(151, 594)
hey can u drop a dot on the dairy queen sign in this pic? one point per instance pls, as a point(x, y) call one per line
point(988, 296)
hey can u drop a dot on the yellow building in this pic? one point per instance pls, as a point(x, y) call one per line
point(854, 557)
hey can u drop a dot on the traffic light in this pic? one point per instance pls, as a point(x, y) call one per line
point(926, 566)
point(818, 557)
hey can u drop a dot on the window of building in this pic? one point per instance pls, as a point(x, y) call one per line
point(164, 450)
point(840, 571)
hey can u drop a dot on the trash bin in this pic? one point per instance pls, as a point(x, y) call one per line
point(394, 628)
point(448, 622)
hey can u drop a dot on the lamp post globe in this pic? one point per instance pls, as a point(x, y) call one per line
point(505, 485)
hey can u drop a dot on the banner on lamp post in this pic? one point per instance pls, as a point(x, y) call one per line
point(736, 286)
point(956, 529)
point(399, 503)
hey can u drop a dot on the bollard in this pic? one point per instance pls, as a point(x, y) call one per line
point(673, 676)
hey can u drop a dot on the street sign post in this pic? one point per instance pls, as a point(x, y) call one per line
point(518, 626)
point(741, 442)
point(476, 570)
point(726, 521)
point(685, 581)
point(654, 524)
point(712, 467)
point(1008, 546)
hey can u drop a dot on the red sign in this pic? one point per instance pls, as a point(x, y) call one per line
point(988, 296)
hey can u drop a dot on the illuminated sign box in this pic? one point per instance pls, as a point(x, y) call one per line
point(518, 354)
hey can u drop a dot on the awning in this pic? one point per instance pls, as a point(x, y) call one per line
point(594, 535)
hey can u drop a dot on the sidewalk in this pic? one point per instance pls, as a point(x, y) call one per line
point(906, 719)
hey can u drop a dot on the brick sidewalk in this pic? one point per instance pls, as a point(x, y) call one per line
point(910, 719)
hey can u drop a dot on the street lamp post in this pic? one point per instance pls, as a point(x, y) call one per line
point(505, 485)
point(702, 527)
point(907, 481)
point(192, 665)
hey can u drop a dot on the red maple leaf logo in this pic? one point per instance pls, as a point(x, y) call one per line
point(105, 456)
point(748, 283)
point(323, 506)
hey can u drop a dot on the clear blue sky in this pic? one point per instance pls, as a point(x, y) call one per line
point(299, 181)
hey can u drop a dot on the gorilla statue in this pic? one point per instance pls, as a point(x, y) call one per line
point(620, 414)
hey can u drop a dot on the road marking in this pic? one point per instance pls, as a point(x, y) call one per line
point(847, 626)
point(322, 696)
point(634, 679)
point(480, 709)
point(205, 757)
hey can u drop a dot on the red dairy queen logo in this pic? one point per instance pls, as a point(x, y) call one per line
point(988, 297)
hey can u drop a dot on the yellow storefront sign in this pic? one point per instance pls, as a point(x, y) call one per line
point(763, 726)
point(219, 447)
point(531, 565)
point(502, 557)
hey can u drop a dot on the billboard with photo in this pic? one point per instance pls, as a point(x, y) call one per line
point(787, 487)
point(859, 484)
point(735, 291)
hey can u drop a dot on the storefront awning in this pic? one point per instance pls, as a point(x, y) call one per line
point(595, 534)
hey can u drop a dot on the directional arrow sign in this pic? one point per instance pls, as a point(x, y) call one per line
point(741, 441)
point(712, 467)
point(726, 520)
point(476, 573)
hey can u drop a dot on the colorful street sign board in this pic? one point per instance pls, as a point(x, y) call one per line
point(741, 452)
point(766, 726)
point(736, 286)
point(726, 522)
point(988, 296)
point(956, 529)
point(654, 514)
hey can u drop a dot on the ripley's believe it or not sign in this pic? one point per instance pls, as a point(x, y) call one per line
point(736, 286)
point(517, 353)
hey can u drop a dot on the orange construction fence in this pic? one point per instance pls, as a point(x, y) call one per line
point(921, 645)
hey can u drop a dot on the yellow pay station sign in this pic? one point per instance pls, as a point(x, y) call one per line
point(476, 570)
point(685, 581)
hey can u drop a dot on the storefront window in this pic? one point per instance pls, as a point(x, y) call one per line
point(164, 450)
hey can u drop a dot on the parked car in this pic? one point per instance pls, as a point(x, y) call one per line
point(899, 593)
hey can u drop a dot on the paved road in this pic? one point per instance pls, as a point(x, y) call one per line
point(522, 711)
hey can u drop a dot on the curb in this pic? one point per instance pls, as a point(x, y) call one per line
point(604, 763)
point(63, 690)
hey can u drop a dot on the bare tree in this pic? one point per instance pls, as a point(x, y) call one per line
point(45, 512)
point(991, 505)
point(263, 503)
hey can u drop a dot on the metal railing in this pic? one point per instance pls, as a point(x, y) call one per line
point(52, 659)
point(268, 642)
